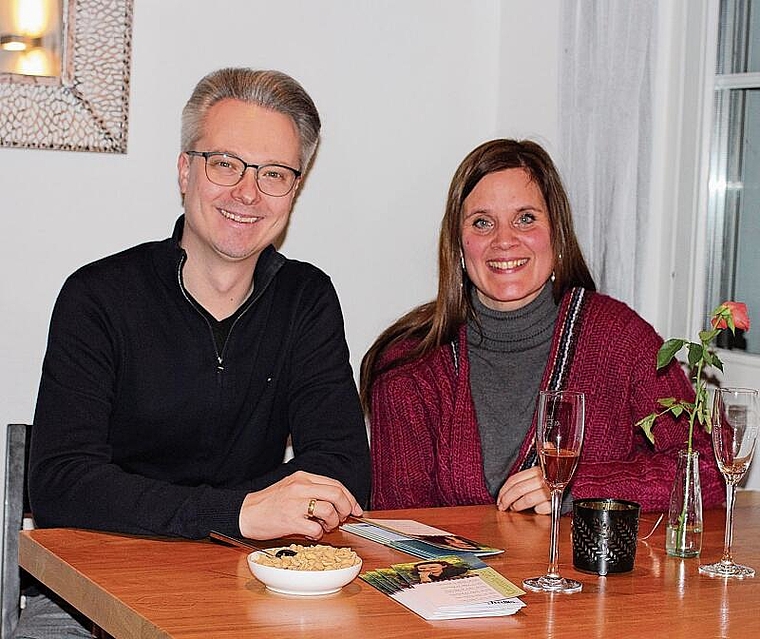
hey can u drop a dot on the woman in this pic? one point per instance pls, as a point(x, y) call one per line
point(451, 387)
point(430, 571)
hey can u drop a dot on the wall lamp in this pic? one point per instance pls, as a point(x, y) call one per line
point(11, 42)
point(31, 34)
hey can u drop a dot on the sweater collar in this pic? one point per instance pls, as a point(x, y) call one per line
point(173, 257)
point(513, 331)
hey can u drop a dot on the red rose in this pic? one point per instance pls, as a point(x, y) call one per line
point(737, 311)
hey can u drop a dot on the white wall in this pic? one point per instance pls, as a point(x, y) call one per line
point(528, 74)
point(405, 88)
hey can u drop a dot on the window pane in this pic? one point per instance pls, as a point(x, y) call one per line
point(735, 208)
point(739, 37)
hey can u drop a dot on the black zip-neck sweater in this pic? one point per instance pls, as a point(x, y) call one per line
point(143, 426)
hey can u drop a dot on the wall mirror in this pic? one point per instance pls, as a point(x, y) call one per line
point(64, 74)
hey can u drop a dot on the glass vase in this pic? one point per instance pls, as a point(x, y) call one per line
point(683, 537)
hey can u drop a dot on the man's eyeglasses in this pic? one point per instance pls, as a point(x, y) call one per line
point(225, 169)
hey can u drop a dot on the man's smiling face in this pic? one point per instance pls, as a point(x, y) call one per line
point(235, 223)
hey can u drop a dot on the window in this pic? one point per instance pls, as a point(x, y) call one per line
point(734, 173)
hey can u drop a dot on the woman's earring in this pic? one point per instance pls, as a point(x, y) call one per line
point(461, 259)
point(553, 277)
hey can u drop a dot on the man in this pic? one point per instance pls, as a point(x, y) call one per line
point(177, 371)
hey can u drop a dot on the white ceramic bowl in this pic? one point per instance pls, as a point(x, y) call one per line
point(302, 582)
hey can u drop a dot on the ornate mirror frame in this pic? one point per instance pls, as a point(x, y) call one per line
point(87, 107)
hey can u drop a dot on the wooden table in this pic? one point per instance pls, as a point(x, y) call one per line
point(146, 588)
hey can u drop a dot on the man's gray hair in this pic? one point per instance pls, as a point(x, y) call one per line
point(272, 90)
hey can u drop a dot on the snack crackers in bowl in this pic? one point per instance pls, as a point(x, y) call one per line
point(313, 570)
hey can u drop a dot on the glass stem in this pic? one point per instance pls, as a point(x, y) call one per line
point(556, 506)
point(730, 497)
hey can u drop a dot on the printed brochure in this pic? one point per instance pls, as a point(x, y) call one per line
point(448, 587)
point(417, 539)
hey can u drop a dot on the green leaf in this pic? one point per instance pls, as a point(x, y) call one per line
point(646, 425)
point(708, 336)
point(668, 351)
point(677, 410)
point(716, 362)
point(688, 407)
point(666, 402)
point(696, 352)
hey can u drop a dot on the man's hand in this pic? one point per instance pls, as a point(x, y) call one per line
point(282, 509)
point(524, 490)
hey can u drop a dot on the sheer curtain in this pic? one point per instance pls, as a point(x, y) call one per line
point(605, 125)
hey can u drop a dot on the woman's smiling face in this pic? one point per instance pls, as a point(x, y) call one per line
point(430, 569)
point(506, 239)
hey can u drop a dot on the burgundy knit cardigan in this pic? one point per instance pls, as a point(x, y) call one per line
point(425, 443)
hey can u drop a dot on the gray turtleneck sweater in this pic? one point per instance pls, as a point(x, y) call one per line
point(508, 352)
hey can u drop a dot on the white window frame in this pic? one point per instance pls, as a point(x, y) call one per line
point(694, 30)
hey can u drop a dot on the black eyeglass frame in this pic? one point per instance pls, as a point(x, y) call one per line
point(207, 154)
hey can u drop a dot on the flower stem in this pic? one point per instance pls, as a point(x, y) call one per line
point(698, 400)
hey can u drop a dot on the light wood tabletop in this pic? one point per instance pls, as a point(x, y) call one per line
point(147, 588)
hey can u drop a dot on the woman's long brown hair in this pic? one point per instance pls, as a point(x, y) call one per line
point(435, 323)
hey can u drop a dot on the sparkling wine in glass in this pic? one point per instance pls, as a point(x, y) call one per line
point(559, 436)
point(735, 421)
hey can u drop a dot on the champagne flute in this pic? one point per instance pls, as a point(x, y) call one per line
point(734, 432)
point(559, 436)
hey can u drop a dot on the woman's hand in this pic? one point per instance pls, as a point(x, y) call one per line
point(524, 490)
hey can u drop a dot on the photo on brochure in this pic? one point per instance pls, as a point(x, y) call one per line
point(433, 570)
point(454, 542)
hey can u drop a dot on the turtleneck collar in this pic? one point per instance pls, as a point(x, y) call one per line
point(513, 331)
